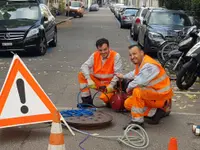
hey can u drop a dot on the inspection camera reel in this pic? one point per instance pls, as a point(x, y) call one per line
point(120, 95)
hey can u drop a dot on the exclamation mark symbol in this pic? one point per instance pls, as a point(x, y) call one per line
point(21, 91)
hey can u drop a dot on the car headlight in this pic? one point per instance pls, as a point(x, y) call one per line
point(33, 32)
point(153, 35)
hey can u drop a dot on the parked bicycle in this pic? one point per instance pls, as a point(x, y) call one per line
point(169, 46)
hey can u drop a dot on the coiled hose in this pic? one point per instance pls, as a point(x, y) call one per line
point(133, 138)
point(137, 139)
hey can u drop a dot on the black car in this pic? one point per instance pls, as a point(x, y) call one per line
point(26, 26)
point(160, 25)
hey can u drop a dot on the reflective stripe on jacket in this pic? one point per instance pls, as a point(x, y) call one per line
point(161, 83)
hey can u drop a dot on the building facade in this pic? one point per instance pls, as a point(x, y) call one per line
point(147, 3)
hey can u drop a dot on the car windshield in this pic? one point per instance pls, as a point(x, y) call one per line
point(12, 12)
point(131, 11)
point(169, 18)
point(75, 4)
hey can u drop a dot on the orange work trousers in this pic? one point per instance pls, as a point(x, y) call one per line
point(86, 91)
point(144, 102)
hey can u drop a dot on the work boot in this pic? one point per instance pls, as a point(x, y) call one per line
point(157, 117)
point(86, 102)
point(133, 122)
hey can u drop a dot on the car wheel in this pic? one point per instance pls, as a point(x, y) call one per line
point(121, 25)
point(54, 42)
point(145, 44)
point(42, 48)
point(131, 32)
point(135, 37)
point(81, 15)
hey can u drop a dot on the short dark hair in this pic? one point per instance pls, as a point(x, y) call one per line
point(102, 41)
point(135, 45)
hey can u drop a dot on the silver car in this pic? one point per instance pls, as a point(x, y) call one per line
point(94, 7)
point(137, 22)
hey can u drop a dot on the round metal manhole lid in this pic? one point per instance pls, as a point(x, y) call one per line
point(98, 119)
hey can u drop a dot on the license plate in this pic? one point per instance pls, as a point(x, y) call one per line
point(7, 44)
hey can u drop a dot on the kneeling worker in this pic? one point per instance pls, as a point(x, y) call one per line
point(100, 70)
point(150, 88)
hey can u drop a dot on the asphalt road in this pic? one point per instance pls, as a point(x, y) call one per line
point(57, 74)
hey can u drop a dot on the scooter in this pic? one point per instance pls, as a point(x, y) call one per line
point(190, 70)
point(178, 57)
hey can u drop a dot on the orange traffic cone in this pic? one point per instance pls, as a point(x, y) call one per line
point(173, 144)
point(56, 139)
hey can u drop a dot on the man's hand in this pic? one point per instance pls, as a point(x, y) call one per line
point(109, 88)
point(91, 84)
point(120, 75)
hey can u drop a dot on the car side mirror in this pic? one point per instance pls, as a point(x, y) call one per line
point(45, 19)
point(144, 22)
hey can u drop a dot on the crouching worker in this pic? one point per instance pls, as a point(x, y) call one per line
point(150, 89)
point(100, 70)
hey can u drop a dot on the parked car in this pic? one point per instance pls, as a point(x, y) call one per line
point(137, 21)
point(119, 11)
point(127, 16)
point(160, 25)
point(117, 8)
point(112, 5)
point(26, 26)
point(75, 9)
point(94, 7)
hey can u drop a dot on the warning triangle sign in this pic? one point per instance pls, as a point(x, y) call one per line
point(22, 100)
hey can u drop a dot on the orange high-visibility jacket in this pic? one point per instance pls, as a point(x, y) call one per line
point(104, 71)
point(161, 83)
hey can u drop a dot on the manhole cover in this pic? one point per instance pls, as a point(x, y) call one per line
point(99, 119)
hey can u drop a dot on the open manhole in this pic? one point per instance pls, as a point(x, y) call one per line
point(98, 120)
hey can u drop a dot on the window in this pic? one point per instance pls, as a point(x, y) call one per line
point(144, 12)
point(138, 13)
point(10, 12)
point(49, 13)
point(131, 11)
point(75, 4)
point(44, 11)
point(169, 18)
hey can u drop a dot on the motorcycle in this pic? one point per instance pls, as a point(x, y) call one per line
point(191, 69)
point(177, 58)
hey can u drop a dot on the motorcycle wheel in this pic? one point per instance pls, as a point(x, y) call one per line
point(169, 65)
point(187, 74)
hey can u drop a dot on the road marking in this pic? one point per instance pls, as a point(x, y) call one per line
point(186, 114)
point(176, 113)
point(66, 108)
point(186, 92)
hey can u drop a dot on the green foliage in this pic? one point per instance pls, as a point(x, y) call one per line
point(61, 6)
point(192, 7)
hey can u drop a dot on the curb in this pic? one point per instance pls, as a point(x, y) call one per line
point(64, 20)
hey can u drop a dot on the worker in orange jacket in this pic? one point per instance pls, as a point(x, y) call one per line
point(150, 88)
point(100, 70)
